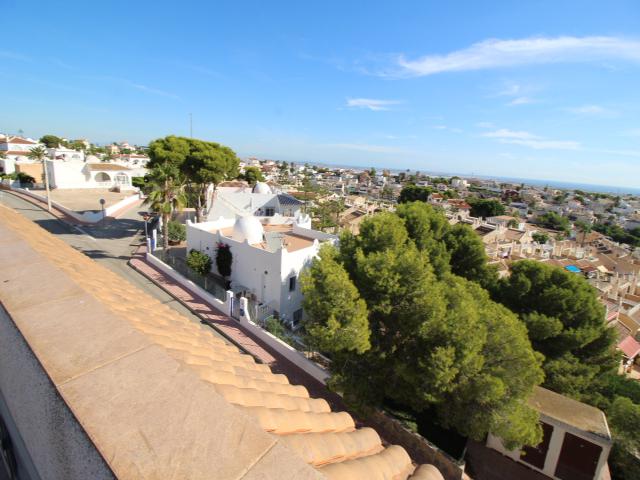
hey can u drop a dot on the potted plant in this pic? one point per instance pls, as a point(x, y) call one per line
point(177, 233)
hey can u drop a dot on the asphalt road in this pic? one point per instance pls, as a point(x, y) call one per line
point(110, 244)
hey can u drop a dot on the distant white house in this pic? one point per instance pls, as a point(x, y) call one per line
point(89, 175)
point(66, 154)
point(268, 255)
point(15, 150)
point(260, 200)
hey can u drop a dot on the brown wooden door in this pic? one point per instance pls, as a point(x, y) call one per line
point(578, 458)
point(536, 455)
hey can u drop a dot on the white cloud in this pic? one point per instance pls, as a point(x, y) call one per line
point(485, 125)
point(494, 53)
point(593, 110)
point(526, 139)
point(447, 128)
point(506, 133)
point(521, 101)
point(371, 103)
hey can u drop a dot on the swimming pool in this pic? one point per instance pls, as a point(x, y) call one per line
point(572, 269)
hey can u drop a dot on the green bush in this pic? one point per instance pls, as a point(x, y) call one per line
point(177, 232)
point(224, 259)
point(25, 178)
point(199, 262)
point(138, 182)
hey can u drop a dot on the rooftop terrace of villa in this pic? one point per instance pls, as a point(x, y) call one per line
point(275, 235)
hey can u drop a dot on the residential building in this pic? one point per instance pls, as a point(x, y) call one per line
point(576, 439)
point(88, 175)
point(268, 255)
point(16, 150)
point(261, 200)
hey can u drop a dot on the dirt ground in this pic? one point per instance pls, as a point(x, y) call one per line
point(83, 199)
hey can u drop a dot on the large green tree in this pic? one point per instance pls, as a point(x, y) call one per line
point(483, 207)
point(566, 324)
point(252, 175)
point(52, 141)
point(336, 315)
point(412, 193)
point(438, 342)
point(202, 164)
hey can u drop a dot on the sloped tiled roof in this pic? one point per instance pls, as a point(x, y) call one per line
point(163, 397)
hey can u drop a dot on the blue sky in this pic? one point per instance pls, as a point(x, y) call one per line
point(538, 89)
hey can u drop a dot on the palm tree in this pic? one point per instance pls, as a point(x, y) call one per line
point(166, 195)
point(39, 154)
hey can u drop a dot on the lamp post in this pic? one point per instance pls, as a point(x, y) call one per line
point(146, 219)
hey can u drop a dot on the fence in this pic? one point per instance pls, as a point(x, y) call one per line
point(211, 284)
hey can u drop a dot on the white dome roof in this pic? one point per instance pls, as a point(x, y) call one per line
point(261, 187)
point(248, 228)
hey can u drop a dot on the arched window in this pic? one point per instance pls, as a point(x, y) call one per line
point(102, 177)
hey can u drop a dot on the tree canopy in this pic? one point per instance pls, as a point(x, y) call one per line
point(412, 193)
point(201, 163)
point(554, 221)
point(52, 141)
point(252, 175)
point(437, 341)
point(484, 207)
point(565, 322)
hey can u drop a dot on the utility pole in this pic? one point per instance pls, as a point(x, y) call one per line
point(191, 125)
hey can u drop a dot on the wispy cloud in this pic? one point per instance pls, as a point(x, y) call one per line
point(14, 56)
point(593, 110)
point(447, 128)
point(371, 103)
point(530, 140)
point(485, 125)
point(521, 101)
point(62, 64)
point(151, 90)
point(200, 69)
point(138, 86)
point(495, 53)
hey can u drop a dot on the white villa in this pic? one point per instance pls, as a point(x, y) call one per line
point(268, 255)
point(260, 200)
point(78, 174)
point(15, 150)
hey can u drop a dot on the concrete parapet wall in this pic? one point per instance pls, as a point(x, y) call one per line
point(420, 450)
point(47, 440)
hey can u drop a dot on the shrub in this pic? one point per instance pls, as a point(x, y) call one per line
point(138, 182)
point(224, 258)
point(25, 178)
point(199, 262)
point(177, 232)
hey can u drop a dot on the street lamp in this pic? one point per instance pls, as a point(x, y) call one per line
point(146, 218)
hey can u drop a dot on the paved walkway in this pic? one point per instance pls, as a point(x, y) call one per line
point(63, 216)
point(233, 331)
